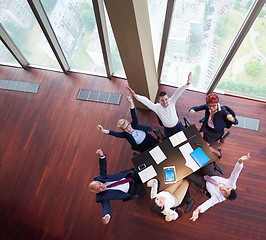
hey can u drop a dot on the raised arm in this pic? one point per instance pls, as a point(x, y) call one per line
point(153, 183)
point(132, 92)
point(106, 211)
point(178, 92)
point(144, 100)
point(237, 169)
point(102, 130)
point(102, 162)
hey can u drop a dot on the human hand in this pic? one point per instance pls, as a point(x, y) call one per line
point(192, 111)
point(99, 152)
point(131, 91)
point(100, 127)
point(106, 219)
point(151, 182)
point(244, 158)
point(230, 117)
point(189, 78)
point(130, 101)
point(168, 218)
point(195, 215)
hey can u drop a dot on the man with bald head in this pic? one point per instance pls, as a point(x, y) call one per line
point(120, 186)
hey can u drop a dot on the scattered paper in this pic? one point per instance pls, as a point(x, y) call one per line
point(186, 149)
point(178, 138)
point(147, 174)
point(157, 154)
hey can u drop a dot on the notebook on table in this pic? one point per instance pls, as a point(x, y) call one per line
point(200, 157)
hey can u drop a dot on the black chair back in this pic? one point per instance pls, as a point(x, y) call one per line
point(231, 111)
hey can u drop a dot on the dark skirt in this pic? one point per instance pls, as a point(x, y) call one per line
point(210, 135)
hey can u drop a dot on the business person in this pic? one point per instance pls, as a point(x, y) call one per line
point(166, 108)
point(218, 188)
point(165, 201)
point(137, 135)
point(123, 185)
point(215, 121)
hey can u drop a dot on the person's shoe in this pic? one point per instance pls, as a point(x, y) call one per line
point(190, 202)
point(220, 151)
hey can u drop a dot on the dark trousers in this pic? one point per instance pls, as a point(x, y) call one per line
point(136, 186)
point(168, 132)
point(198, 177)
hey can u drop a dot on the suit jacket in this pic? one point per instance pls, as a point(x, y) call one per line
point(219, 119)
point(107, 195)
point(134, 125)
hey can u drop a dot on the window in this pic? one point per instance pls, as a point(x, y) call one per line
point(246, 73)
point(19, 21)
point(75, 28)
point(116, 60)
point(200, 36)
point(157, 9)
point(5, 56)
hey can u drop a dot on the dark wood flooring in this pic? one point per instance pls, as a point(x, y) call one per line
point(48, 142)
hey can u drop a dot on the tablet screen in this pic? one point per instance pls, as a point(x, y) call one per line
point(169, 174)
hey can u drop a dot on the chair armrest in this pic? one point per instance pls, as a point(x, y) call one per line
point(187, 122)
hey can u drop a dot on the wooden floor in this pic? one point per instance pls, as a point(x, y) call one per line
point(47, 158)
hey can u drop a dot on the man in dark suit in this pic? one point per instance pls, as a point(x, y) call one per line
point(111, 187)
point(137, 135)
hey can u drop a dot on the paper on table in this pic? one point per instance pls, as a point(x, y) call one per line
point(177, 138)
point(157, 154)
point(186, 149)
point(147, 174)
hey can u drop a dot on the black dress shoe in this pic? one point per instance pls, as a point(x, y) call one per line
point(189, 203)
point(220, 151)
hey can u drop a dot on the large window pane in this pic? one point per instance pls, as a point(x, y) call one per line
point(74, 24)
point(246, 72)
point(19, 21)
point(116, 59)
point(157, 9)
point(200, 35)
point(6, 57)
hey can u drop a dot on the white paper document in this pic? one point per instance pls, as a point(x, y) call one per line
point(177, 138)
point(186, 149)
point(147, 174)
point(157, 154)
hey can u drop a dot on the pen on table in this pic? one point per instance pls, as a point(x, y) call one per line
point(192, 136)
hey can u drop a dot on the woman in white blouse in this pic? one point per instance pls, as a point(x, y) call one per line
point(171, 197)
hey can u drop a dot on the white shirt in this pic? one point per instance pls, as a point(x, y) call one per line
point(216, 195)
point(167, 114)
point(122, 187)
point(210, 120)
point(170, 201)
point(138, 135)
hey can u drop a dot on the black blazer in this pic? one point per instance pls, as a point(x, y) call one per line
point(134, 125)
point(107, 195)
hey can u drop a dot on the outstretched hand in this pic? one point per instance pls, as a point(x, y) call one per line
point(100, 127)
point(99, 152)
point(151, 182)
point(132, 92)
point(130, 101)
point(189, 78)
point(244, 158)
point(230, 117)
point(105, 219)
point(195, 215)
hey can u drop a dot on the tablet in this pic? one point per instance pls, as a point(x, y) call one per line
point(170, 175)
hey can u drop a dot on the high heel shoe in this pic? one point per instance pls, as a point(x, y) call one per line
point(220, 151)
